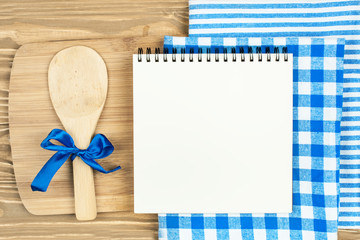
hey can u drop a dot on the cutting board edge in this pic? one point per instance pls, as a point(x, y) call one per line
point(11, 81)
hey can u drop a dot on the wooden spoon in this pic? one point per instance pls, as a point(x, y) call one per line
point(78, 84)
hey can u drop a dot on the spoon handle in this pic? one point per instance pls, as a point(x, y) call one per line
point(84, 190)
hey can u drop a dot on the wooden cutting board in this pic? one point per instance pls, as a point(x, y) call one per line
point(32, 117)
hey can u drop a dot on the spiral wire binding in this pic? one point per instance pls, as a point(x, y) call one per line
point(157, 52)
point(285, 52)
point(267, 51)
point(217, 54)
point(148, 52)
point(140, 52)
point(250, 51)
point(174, 51)
point(258, 51)
point(191, 56)
point(208, 56)
point(165, 52)
point(242, 54)
point(277, 52)
point(183, 54)
point(233, 51)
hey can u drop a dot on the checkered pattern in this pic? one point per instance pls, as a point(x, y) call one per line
point(294, 18)
point(318, 77)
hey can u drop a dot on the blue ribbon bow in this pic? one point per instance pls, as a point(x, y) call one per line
point(100, 147)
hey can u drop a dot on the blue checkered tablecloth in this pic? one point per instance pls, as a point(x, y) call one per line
point(293, 18)
point(318, 89)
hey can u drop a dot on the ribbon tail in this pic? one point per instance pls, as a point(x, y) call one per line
point(47, 172)
point(92, 163)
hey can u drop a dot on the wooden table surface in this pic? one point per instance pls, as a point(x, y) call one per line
point(29, 21)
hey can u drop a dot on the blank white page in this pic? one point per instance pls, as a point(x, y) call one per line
point(213, 137)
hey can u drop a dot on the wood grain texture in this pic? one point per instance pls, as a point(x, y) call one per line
point(28, 21)
point(32, 117)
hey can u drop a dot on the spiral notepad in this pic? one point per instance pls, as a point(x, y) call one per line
point(213, 131)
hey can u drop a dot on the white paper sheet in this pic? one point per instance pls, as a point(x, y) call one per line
point(213, 137)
